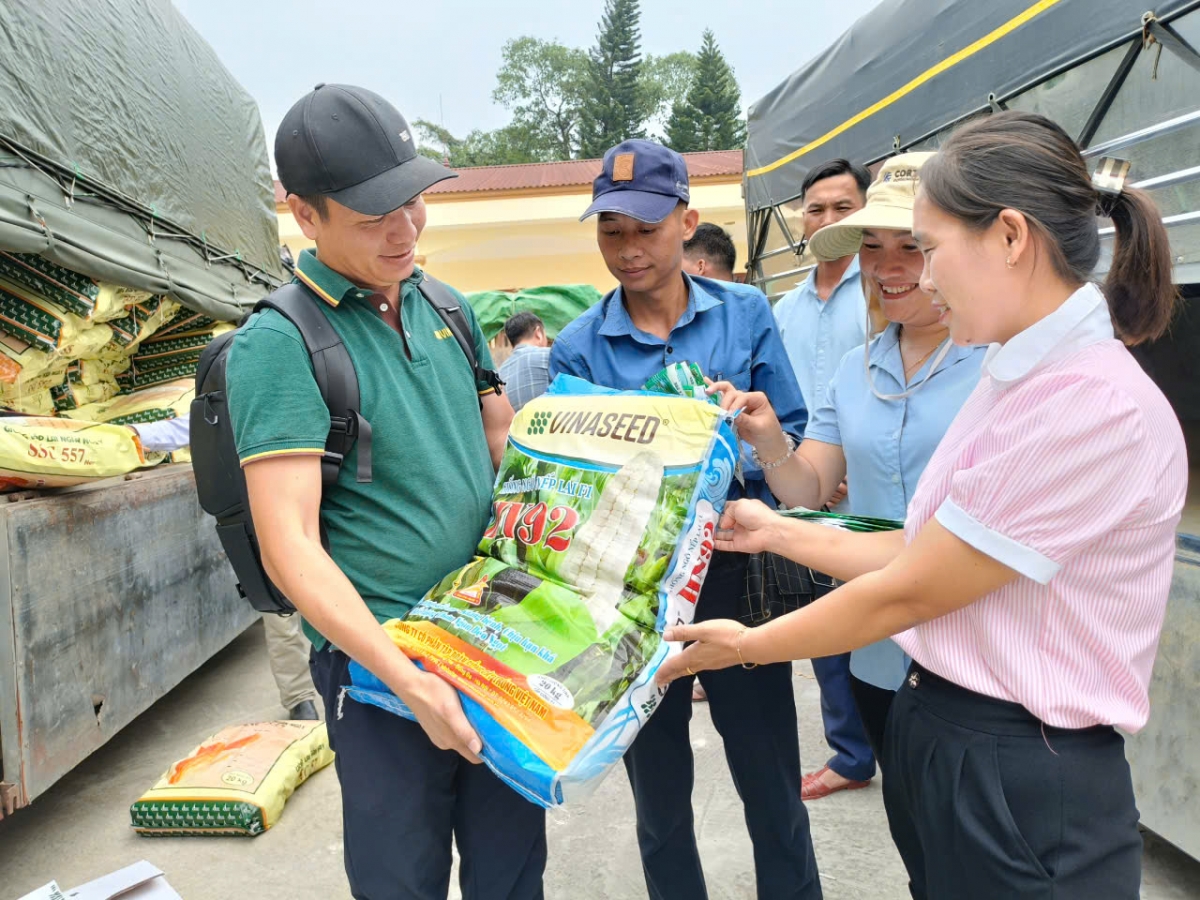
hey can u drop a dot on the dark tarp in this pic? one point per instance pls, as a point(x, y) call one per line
point(129, 153)
point(845, 90)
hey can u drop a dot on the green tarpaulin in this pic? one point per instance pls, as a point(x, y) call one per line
point(128, 153)
point(556, 305)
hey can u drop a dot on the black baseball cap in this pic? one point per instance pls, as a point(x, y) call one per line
point(355, 148)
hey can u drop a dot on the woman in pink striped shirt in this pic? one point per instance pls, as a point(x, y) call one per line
point(1031, 580)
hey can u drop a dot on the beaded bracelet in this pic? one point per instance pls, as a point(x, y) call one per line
point(775, 463)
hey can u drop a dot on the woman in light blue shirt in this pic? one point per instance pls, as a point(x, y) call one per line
point(887, 407)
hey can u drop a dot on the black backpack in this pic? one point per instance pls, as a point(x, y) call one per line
point(220, 483)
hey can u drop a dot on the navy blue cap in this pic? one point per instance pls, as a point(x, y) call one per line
point(640, 179)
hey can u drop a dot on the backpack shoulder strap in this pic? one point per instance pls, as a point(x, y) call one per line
point(335, 376)
point(449, 307)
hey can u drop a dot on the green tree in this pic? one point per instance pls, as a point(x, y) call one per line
point(509, 145)
point(710, 118)
point(614, 109)
point(665, 81)
point(544, 85)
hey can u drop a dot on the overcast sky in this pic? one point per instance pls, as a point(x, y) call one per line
point(438, 59)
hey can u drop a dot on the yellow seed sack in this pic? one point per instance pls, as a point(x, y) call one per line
point(37, 452)
point(20, 360)
point(153, 404)
point(236, 782)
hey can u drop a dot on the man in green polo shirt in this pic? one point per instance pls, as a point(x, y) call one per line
point(354, 183)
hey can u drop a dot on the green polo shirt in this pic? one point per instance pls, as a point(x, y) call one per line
point(429, 501)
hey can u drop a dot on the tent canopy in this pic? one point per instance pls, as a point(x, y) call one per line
point(910, 67)
point(556, 305)
point(129, 153)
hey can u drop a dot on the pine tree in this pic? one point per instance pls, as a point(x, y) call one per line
point(614, 105)
point(711, 116)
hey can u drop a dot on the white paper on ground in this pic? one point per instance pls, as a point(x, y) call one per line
point(45, 892)
point(141, 881)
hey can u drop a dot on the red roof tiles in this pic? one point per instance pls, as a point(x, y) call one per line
point(532, 176)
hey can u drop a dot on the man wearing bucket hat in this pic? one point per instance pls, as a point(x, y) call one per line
point(887, 407)
point(656, 317)
point(354, 180)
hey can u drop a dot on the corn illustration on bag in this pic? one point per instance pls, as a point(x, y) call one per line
point(604, 512)
point(236, 782)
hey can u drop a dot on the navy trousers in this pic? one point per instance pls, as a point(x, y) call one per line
point(986, 802)
point(844, 731)
point(404, 800)
point(754, 711)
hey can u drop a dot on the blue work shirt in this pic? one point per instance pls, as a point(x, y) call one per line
point(887, 444)
point(727, 330)
point(817, 333)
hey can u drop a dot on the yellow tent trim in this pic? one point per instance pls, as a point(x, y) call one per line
point(948, 63)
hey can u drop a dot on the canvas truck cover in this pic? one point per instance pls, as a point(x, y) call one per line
point(911, 67)
point(128, 153)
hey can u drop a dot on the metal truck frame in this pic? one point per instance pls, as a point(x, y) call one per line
point(1124, 78)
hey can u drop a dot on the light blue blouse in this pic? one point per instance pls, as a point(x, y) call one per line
point(887, 444)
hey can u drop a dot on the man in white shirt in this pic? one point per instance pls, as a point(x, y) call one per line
point(821, 320)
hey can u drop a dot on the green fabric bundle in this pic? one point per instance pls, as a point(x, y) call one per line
point(684, 379)
point(556, 305)
point(845, 522)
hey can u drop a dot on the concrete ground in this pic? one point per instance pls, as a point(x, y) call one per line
point(80, 828)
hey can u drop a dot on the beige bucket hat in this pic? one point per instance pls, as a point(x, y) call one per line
point(889, 206)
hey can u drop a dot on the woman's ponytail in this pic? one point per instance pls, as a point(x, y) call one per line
point(1024, 161)
point(1140, 293)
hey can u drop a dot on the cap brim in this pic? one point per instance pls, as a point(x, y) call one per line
point(391, 189)
point(844, 238)
point(641, 205)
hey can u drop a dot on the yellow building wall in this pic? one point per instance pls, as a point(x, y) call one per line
point(507, 241)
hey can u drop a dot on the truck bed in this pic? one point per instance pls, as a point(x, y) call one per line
point(110, 595)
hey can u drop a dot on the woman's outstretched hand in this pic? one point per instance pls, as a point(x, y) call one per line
point(715, 647)
point(757, 424)
point(747, 526)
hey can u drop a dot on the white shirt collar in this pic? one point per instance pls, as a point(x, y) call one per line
point(1081, 321)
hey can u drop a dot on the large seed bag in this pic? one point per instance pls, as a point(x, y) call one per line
point(601, 533)
point(236, 782)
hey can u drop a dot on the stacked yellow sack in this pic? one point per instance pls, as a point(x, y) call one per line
point(153, 404)
point(93, 352)
point(51, 317)
point(38, 452)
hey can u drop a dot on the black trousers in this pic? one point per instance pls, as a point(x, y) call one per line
point(999, 805)
point(403, 800)
point(875, 707)
point(754, 711)
point(874, 704)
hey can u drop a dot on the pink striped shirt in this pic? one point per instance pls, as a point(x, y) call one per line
point(1066, 464)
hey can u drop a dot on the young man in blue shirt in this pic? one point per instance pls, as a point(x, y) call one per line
point(656, 317)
